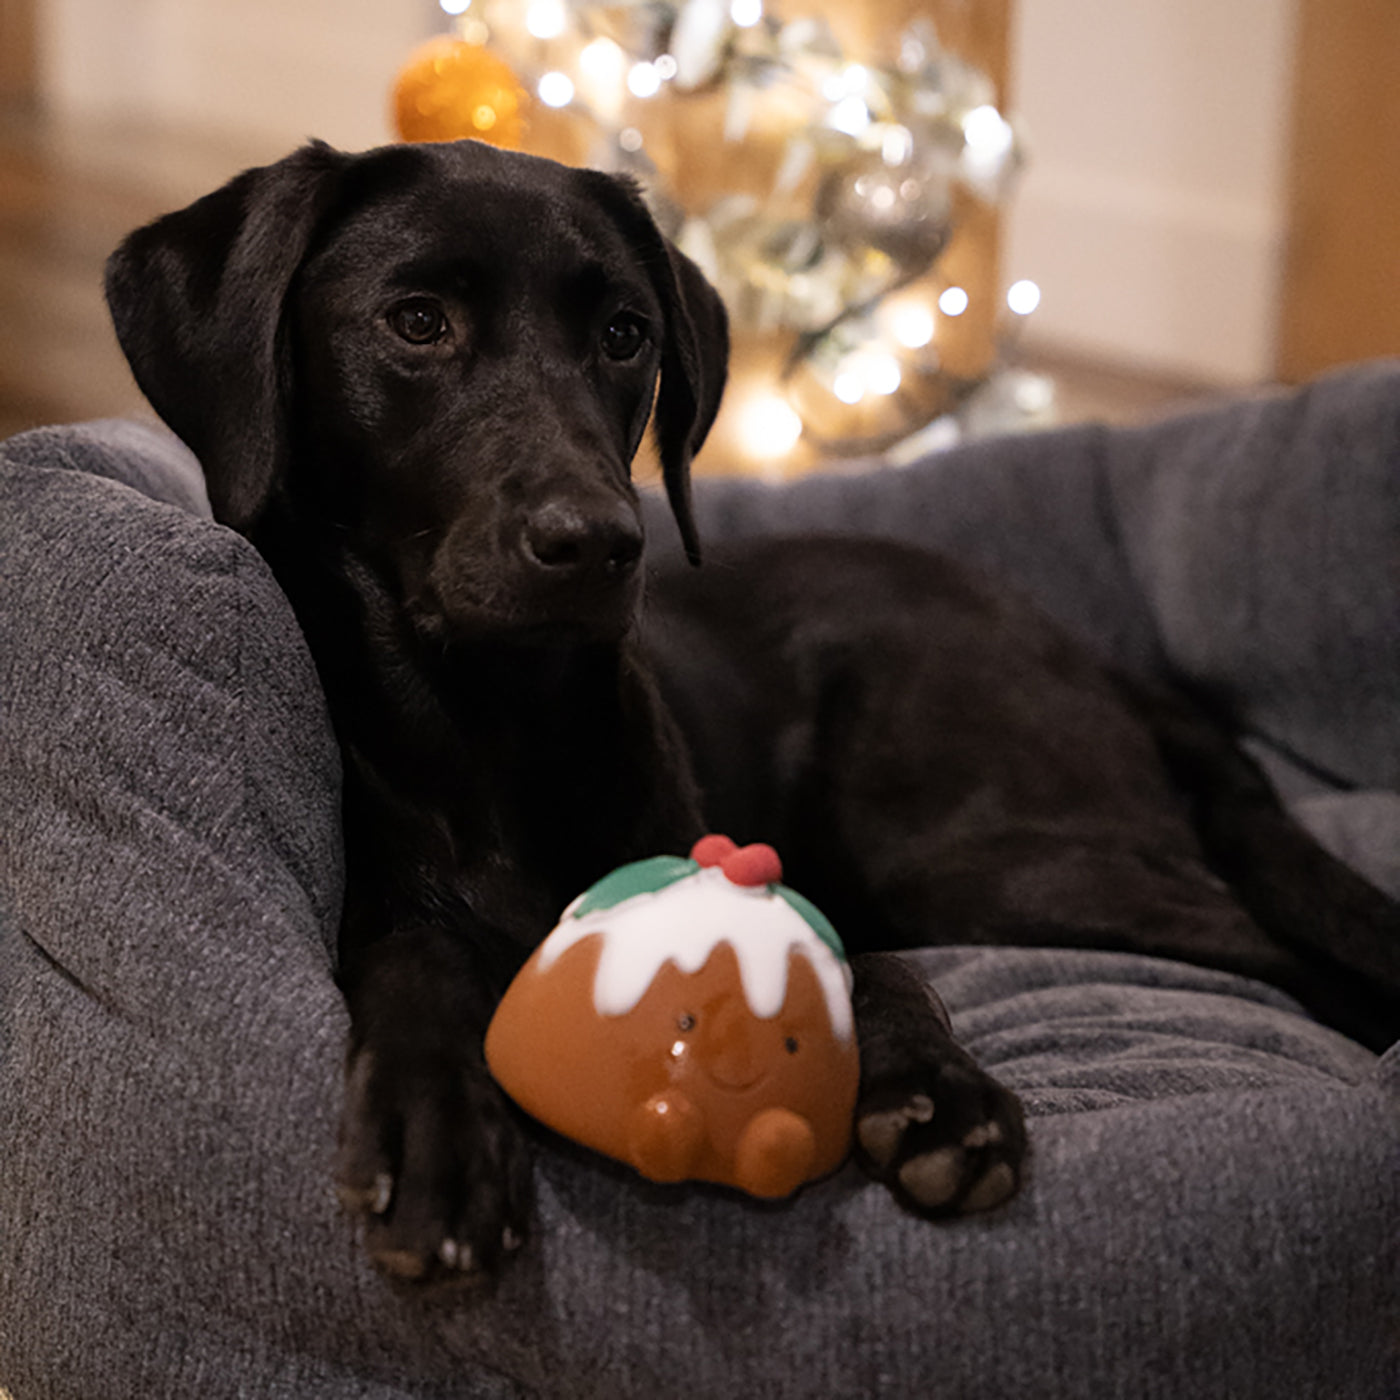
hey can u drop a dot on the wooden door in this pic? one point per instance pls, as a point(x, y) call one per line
point(1340, 299)
point(19, 79)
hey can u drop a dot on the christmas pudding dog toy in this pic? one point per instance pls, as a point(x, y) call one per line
point(691, 1018)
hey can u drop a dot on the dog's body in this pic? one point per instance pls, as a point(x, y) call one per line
point(416, 379)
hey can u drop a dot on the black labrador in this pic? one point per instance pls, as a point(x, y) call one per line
point(416, 379)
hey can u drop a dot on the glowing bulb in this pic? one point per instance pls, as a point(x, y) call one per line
point(850, 115)
point(852, 80)
point(953, 301)
point(897, 146)
point(1023, 297)
point(1035, 394)
point(546, 19)
point(768, 426)
point(746, 13)
point(667, 67)
point(602, 61)
point(987, 131)
point(556, 89)
point(455, 7)
point(882, 374)
point(912, 325)
point(644, 80)
point(849, 387)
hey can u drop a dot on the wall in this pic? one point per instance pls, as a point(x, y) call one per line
point(1151, 212)
point(276, 71)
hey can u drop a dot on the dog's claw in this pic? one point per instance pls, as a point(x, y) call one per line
point(457, 1256)
point(374, 1199)
point(383, 1193)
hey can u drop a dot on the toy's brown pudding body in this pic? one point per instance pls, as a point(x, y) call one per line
point(691, 1018)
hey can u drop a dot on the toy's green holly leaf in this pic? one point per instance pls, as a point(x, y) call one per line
point(628, 881)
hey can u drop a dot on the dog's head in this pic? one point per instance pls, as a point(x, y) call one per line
point(446, 355)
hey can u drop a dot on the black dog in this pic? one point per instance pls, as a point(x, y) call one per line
point(416, 379)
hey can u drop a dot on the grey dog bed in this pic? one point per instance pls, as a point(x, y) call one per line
point(1213, 1204)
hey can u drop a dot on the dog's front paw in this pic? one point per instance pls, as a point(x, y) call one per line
point(433, 1161)
point(942, 1134)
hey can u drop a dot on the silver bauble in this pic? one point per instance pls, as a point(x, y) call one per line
point(900, 211)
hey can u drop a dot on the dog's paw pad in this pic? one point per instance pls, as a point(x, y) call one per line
point(405, 1264)
point(882, 1131)
point(997, 1185)
point(983, 1135)
point(933, 1179)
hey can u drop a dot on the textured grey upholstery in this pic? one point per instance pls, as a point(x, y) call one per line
point(1213, 1208)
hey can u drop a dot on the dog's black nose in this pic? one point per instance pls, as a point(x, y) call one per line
point(576, 541)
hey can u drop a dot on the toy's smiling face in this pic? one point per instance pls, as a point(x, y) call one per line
point(699, 1033)
point(715, 1038)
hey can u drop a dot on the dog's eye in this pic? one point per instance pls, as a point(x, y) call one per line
point(624, 336)
point(419, 321)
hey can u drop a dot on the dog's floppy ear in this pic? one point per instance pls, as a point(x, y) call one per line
point(695, 353)
point(197, 299)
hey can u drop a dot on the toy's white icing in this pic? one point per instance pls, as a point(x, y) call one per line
point(683, 924)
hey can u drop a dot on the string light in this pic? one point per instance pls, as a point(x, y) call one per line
point(602, 62)
point(852, 80)
point(455, 7)
point(746, 13)
point(897, 145)
point(643, 80)
point(556, 89)
point(912, 325)
point(546, 19)
point(768, 426)
point(987, 131)
point(882, 373)
point(850, 115)
point(849, 387)
point(1023, 297)
point(953, 301)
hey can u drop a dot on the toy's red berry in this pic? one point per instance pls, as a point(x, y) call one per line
point(712, 850)
point(753, 865)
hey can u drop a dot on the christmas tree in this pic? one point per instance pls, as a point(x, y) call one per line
point(819, 190)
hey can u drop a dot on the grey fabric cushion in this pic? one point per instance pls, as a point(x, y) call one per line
point(1213, 1208)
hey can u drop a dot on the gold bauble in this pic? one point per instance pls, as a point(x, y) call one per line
point(450, 89)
